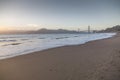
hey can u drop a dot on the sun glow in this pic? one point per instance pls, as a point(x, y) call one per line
point(2, 29)
point(5, 29)
point(8, 20)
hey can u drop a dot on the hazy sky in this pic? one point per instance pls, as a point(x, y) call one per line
point(68, 14)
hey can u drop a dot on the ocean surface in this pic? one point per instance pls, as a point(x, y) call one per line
point(14, 45)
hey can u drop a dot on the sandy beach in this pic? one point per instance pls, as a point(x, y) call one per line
point(95, 60)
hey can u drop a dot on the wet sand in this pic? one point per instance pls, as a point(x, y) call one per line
point(95, 60)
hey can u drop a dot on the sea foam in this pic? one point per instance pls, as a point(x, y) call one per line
point(14, 45)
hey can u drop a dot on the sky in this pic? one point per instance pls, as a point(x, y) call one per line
point(54, 14)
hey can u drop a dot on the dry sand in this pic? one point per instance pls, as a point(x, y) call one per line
point(96, 60)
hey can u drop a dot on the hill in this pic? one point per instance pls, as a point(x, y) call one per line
point(51, 31)
point(113, 29)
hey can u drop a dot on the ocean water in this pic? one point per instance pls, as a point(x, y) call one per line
point(14, 45)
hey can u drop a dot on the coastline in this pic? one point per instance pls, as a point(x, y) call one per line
point(94, 60)
point(25, 52)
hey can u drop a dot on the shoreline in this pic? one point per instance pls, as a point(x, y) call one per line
point(94, 60)
point(30, 52)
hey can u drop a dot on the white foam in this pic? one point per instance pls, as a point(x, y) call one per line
point(14, 45)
